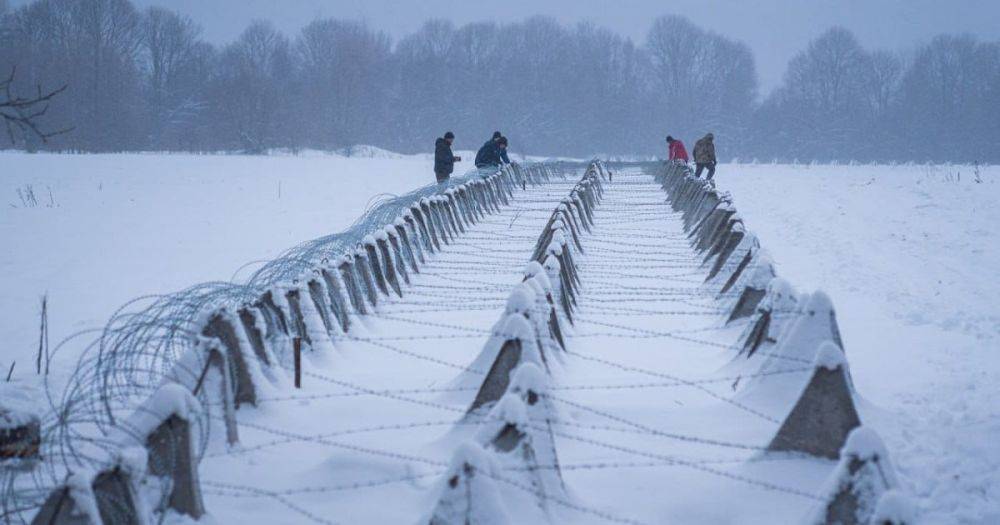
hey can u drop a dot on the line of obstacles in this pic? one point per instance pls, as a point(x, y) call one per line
point(511, 407)
point(786, 327)
point(241, 349)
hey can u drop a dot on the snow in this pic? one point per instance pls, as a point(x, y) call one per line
point(517, 327)
point(509, 410)
point(529, 378)
point(169, 399)
point(863, 443)
point(908, 254)
point(894, 508)
point(905, 254)
point(830, 357)
point(82, 494)
point(469, 477)
point(21, 403)
point(521, 300)
point(130, 225)
point(533, 268)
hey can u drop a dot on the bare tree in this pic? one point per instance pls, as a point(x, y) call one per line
point(21, 114)
point(703, 81)
point(254, 75)
point(172, 53)
point(344, 76)
point(882, 82)
point(951, 89)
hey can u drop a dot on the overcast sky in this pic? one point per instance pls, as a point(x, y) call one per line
point(774, 29)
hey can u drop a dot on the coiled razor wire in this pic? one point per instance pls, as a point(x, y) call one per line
point(141, 342)
point(144, 338)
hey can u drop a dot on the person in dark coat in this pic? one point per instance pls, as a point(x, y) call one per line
point(502, 145)
point(444, 159)
point(704, 156)
point(492, 153)
point(501, 152)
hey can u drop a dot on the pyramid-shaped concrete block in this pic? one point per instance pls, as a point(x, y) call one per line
point(859, 484)
point(824, 413)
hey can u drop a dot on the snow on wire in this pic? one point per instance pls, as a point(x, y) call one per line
point(216, 342)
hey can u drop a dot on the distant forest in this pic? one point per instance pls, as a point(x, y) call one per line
point(147, 81)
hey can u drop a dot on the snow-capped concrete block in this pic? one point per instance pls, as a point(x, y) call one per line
point(741, 267)
point(336, 290)
point(254, 329)
point(437, 219)
point(398, 250)
point(352, 286)
point(721, 236)
point(754, 282)
point(816, 323)
point(456, 210)
point(206, 367)
point(293, 307)
point(758, 334)
point(375, 268)
point(453, 216)
point(521, 300)
point(554, 270)
point(274, 317)
point(363, 268)
point(389, 266)
point(736, 236)
point(465, 204)
point(518, 346)
point(824, 414)
point(109, 497)
point(519, 430)
point(426, 218)
point(862, 480)
point(320, 301)
point(401, 242)
point(220, 326)
point(417, 215)
point(163, 426)
point(706, 236)
point(316, 329)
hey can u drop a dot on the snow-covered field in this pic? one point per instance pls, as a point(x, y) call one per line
point(908, 254)
point(120, 226)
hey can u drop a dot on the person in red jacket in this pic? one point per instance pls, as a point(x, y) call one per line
point(676, 150)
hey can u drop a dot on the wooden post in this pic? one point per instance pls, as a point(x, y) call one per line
point(297, 347)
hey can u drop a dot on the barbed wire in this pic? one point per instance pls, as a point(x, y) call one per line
point(143, 339)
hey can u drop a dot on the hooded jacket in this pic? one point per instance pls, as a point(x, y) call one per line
point(444, 159)
point(489, 155)
point(704, 150)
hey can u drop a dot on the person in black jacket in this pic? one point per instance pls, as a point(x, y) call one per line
point(493, 153)
point(488, 155)
point(503, 151)
point(444, 159)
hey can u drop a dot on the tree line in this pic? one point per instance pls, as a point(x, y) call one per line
point(148, 80)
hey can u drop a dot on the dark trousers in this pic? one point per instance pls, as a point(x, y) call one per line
point(701, 166)
point(442, 177)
